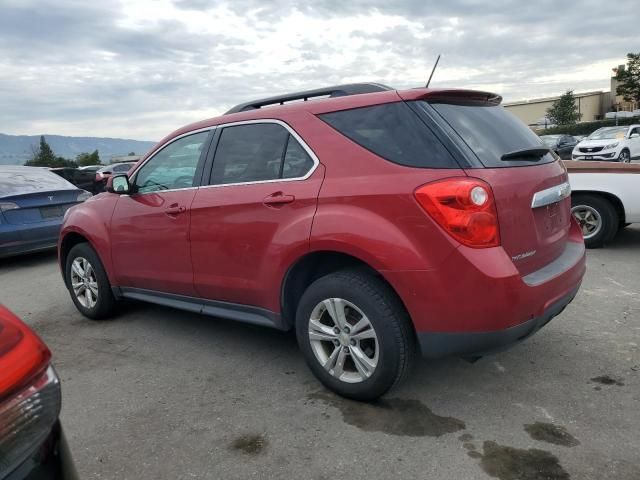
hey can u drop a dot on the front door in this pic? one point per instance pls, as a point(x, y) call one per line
point(150, 227)
point(254, 219)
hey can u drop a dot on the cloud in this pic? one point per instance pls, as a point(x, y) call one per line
point(141, 68)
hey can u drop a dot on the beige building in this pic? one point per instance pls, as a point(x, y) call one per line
point(593, 105)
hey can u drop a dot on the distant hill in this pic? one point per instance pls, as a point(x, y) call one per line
point(16, 149)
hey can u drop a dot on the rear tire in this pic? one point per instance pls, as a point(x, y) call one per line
point(597, 218)
point(88, 283)
point(335, 353)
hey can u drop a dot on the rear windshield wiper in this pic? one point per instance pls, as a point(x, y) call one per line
point(526, 154)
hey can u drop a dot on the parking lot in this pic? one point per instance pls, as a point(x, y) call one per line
point(162, 394)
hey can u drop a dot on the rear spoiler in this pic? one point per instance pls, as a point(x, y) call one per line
point(451, 95)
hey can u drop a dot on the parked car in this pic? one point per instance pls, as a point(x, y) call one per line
point(614, 144)
point(91, 168)
point(103, 174)
point(32, 442)
point(84, 179)
point(561, 144)
point(375, 222)
point(32, 203)
point(605, 198)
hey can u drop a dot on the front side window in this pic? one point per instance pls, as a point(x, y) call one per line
point(258, 152)
point(172, 167)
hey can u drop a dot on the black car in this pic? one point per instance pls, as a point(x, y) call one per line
point(84, 179)
point(561, 144)
point(32, 443)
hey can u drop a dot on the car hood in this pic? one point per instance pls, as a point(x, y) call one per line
point(597, 143)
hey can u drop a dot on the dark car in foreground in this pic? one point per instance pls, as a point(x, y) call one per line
point(376, 223)
point(32, 203)
point(32, 443)
point(561, 144)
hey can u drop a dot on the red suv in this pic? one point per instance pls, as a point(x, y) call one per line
point(377, 223)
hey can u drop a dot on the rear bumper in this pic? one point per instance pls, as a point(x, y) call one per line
point(18, 239)
point(442, 344)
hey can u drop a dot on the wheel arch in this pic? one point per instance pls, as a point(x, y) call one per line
point(610, 197)
point(314, 265)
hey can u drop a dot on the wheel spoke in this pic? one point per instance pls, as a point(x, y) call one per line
point(364, 364)
point(76, 285)
point(335, 308)
point(88, 297)
point(94, 288)
point(333, 358)
point(365, 334)
point(338, 370)
point(75, 266)
point(320, 332)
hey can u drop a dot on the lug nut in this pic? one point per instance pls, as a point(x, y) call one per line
point(336, 330)
point(346, 330)
point(336, 343)
point(345, 349)
point(352, 342)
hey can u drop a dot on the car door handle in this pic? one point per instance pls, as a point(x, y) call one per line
point(278, 198)
point(175, 209)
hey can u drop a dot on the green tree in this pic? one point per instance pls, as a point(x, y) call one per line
point(85, 159)
point(629, 79)
point(564, 111)
point(42, 155)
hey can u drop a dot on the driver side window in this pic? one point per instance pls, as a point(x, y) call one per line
point(172, 167)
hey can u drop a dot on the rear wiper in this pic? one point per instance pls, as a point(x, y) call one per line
point(526, 154)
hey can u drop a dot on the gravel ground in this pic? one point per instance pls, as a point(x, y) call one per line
point(162, 394)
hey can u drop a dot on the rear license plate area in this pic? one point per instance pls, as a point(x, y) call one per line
point(51, 212)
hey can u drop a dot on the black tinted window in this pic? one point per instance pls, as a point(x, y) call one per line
point(392, 131)
point(258, 152)
point(490, 131)
point(297, 161)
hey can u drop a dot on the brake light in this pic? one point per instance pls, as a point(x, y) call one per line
point(465, 208)
point(29, 392)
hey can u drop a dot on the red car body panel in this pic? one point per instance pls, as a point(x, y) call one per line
point(229, 246)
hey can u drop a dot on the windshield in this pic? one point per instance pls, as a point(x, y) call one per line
point(608, 133)
point(19, 180)
point(550, 140)
point(491, 132)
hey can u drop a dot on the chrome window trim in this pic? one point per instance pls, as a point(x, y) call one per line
point(293, 133)
point(551, 195)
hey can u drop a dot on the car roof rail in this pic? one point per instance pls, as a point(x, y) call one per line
point(335, 91)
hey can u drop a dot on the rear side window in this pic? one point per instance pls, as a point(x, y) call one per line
point(490, 132)
point(258, 152)
point(394, 132)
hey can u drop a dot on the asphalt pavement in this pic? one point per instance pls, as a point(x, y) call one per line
point(158, 393)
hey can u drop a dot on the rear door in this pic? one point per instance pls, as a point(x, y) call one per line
point(255, 216)
point(532, 234)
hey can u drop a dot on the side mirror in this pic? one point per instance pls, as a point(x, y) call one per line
point(118, 184)
point(634, 135)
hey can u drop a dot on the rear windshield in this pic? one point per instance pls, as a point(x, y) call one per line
point(490, 132)
point(394, 132)
point(18, 180)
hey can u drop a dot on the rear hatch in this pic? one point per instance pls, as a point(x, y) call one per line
point(513, 161)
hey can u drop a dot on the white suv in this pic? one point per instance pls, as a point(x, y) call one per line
point(616, 144)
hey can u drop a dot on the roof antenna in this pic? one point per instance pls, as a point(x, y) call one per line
point(434, 69)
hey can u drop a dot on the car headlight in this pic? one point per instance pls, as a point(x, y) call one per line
point(4, 206)
point(84, 195)
point(611, 145)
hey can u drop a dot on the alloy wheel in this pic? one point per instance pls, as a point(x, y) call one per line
point(343, 340)
point(84, 282)
point(589, 219)
point(624, 157)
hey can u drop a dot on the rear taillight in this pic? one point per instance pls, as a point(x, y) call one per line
point(29, 392)
point(464, 208)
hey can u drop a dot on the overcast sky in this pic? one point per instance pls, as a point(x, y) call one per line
point(141, 68)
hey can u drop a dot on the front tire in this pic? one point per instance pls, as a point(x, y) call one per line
point(597, 218)
point(355, 334)
point(625, 156)
point(88, 283)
